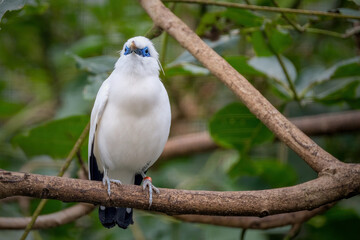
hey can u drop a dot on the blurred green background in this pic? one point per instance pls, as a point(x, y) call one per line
point(54, 56)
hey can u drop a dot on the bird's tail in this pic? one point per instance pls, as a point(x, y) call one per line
point(109, 216)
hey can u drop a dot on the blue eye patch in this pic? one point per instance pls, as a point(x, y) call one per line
point(144, 52)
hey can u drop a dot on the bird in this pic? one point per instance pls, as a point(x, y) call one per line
point(129, 125)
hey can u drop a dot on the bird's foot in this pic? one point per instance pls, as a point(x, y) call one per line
point(107, 180)
point(147, 182)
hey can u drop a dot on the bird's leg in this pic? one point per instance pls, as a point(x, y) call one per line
point(107, 180)
point(148, 183)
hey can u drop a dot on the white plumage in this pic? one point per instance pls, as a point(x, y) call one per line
point(130, 120)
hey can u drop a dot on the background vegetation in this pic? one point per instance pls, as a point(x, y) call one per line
point(55, 54)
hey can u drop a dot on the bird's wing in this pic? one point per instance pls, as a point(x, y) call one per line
point(96, 113)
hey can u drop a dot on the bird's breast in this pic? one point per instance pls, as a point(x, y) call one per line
point(136, 97)
point(134, 127)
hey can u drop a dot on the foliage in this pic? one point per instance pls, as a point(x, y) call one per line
point(54, 56)
point(53, 139)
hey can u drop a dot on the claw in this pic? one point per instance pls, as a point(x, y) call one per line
point(148, 183)
point(107, 180)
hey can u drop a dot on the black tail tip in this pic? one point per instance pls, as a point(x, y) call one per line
point(109, 216)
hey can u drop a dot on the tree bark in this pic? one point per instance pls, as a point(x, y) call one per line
point(333, 185)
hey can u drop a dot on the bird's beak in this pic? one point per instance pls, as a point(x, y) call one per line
point(133, 46)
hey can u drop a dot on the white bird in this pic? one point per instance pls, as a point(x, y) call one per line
point(130, 124)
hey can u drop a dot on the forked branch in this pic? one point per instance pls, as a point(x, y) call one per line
point(287, 132)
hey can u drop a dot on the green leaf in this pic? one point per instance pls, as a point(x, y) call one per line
point(234, 126)
point(339, 94)
point(273, 172)
point(88, 46)
point(96, 65)
point(321, 83)
point(357, 2)
point(91, 89)
point(10, 5)
point(243, 17)
point(345, 68)
point(271, 67)
point(241, 65)
point(225, 42)
point(348, 70)
point(280, 39)
point(349, 11)
point(55, 138)
point(209, 21)
point(259, 44)
point(186, 69)
point(307, 77)
point(9, 108)
point(336, 223)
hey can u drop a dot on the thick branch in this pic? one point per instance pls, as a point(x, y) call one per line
point(321, 124)
point(332, 186)
point(287, 132)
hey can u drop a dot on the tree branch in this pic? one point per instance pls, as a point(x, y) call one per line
point(273, 221)
point(333, 185)
point(48, 220)
point(295, 25)
point(336, 180)
point(74, 212)
point(188, 144)
point(266, 8)
point(307, 149)
point(198, 142)
point(329, 123)
point(321, 124)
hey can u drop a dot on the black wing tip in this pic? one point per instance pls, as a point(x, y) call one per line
point(95, 174)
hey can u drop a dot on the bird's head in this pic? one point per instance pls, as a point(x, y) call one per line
point(139, 56)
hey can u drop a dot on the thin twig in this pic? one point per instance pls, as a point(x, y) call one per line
point(294, 231)
point(153, 32)
point(291, 22)
point(267, 8)
point(81, 163)
point(282, 64)
point(164, 41)
point(306, 29)
point(66, 165)
point(351, 32)
point(243, 232)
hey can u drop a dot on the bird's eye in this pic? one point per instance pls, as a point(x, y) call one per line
point(126, 50)
point(146, 52)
